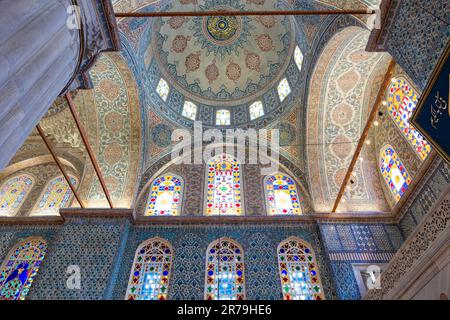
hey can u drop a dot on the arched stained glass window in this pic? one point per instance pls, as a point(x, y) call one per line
point(57, 194)
point(224, 279)
point(20, 268)
point(402, 101)
point(13, 193)
point(299, 272)
point(394, 172)
point(281, 195)
point(165, 196)
point(150, 274)
point(223, 186)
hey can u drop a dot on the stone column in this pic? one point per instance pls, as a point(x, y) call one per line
point(40, 57)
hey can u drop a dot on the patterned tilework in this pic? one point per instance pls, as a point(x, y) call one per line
point(104, 249)
point(190, 242)
point(92, 245)
point(418, 36)
point(357, 243)
point(438, 182)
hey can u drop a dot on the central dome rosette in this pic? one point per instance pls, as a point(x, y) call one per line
point(223, 60)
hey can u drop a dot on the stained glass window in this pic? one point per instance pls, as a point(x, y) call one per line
point(223, 118)
point(163, 89)
point(284, 89)
point(150, 274)
point(57, 194)
point(224, 278)
point(402, 101)
point(189, 110)
point(223, 187)
point(281, 195)
point(256, 110)
point(13, 193)
point(20, 268)
point(165, 196)
point(394, 172)
point(299, 272)
point(298, 57)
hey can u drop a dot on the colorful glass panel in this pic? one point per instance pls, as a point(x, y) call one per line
point(224, 278)
point(394, 172)
point(163, 89)
point(223, 118)
point(402, 102)
point(13, 193)
point(281, 196)
point(256, 110)
point(299, 272)
point(298, 57)
point(189, 110)
point(284, 89)
point(20, 269)
point(56, 195)
point(149, 278)
point(165, 196)
point(223, 187)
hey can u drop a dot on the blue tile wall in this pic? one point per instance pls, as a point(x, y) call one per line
point(346, 244)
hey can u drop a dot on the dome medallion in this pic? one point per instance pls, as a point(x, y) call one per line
point(222, 29)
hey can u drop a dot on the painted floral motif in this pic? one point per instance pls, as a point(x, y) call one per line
point(177, 22)
point(193, 62)
point(258, 2)
point(265, 42)
point(109, 89)
point(179, 44)
point(253, 61)
point(267, 21)
point(233, 71)
point(212, 72)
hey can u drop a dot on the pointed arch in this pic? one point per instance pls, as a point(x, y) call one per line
point(13, 193)
point(394, 172)
point(20, 268)
point(299, 271)
point(56, 194)
point(150, 273)
point(223, 187)
point(282, 197)
point(224, 278)
point(165, 196)
point(402, 101)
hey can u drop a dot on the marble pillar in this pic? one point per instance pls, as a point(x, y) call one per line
point(42, 55)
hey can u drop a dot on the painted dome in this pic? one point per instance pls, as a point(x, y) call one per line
point(223, 60)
